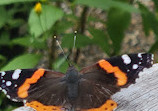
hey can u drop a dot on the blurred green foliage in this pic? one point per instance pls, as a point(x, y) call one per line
point(22, 30)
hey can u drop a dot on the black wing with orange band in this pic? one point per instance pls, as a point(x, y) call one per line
point(103, 79)
point(16, 83)
point(124, 69)
point(37, 88)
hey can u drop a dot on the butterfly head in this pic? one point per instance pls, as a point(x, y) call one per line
point(72, 75)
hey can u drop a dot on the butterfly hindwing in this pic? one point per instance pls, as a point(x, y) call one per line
point(49, 90)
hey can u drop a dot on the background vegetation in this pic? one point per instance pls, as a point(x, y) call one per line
point(27, 35)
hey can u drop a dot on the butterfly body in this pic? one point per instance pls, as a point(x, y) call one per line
point(89, 89)
point(72, 81)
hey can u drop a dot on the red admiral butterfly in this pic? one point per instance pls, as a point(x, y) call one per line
point(89, 89)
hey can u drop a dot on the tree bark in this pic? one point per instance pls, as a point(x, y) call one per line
point(141, 96)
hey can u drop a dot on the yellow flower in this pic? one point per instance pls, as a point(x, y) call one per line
point(38, 8)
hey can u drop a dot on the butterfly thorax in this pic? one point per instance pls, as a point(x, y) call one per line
point(72, 80)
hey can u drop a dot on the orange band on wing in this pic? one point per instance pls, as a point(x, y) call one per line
point(40, 107)
point(109, 105)
point(23, 90)
point(121, 76)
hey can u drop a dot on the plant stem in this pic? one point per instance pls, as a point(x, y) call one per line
point(81, 29)
point(51, 52)
point(52, 48)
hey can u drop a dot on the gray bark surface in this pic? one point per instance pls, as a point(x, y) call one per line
point(141, 96)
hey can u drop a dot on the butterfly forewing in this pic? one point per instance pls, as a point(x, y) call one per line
point(132, 64)
point(17, 84)
point(10, 81)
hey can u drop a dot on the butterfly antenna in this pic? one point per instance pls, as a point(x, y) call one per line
point(62, 51)
point(74, 40)
point(73, 48)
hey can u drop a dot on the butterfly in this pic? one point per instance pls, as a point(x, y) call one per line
point(89, 89)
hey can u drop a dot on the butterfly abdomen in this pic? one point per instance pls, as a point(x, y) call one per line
point(72, 81)
point(72, 91)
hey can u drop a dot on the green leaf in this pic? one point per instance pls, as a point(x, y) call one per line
point(2, 98)
point(4, 39)
point(81, 41)
point(71, 17)
point(95, 19)
point(101, 39)
point(118, 22)
point(63, 26)
point(2, 57)
point(145, 19)
point(10, 108)
point(6, 2)
point(2, 60)
point(22, 62)
point(154, 47)
point(4, 16)
point(40, 23)
point(106, 4)
point(156, 4)
point(30, 42)
point(60, 65)
point(149, 20)
point(16, 22)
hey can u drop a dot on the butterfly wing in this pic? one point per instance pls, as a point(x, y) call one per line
point(34, 86)
point(106, 77)
point(132, 64)
point(46, 90)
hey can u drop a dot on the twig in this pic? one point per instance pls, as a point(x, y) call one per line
point(81, 29)
point(52, 48)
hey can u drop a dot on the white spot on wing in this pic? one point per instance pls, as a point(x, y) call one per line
point(5, 92)
point(16, 74)
point(24, 101)
point(3, 81)
point(15, 100)
point(152, 56)
point(2, 73)
point(15, 85)
point(8, 83)
point(140, 55)
point(8, 96)
point(135, 66)
point(126, 59)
